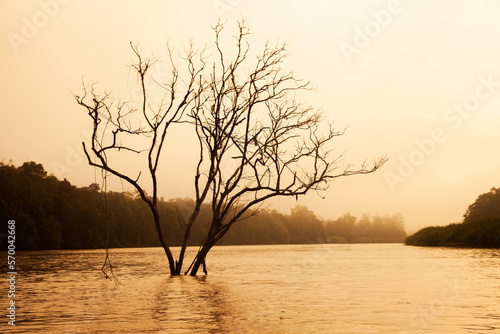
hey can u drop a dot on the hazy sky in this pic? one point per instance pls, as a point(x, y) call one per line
point(418, 81)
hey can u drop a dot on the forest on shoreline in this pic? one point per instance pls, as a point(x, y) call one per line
point(54, 214)
point(480, 227)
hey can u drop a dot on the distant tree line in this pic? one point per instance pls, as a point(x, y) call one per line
point(480, 226)
point(53, 214)
point(378, 229)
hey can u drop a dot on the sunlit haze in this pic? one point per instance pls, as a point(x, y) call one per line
point(416, 81)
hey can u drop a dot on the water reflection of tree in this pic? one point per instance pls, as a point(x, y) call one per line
point(195, 303)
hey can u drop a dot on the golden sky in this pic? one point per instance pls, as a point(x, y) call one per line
point(418, 81)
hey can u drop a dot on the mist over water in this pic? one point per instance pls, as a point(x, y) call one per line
point(369, 288)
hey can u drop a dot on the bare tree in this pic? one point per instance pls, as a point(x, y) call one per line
point(122, 127)
point(256, 141)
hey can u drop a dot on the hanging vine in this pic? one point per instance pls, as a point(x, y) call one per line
point(107, 266)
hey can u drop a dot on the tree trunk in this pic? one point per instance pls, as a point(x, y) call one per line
point(212, 239)
point(164, 243)
point(187, 233)
point(200, 260)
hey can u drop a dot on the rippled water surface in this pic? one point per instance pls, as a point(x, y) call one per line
point(262, 289)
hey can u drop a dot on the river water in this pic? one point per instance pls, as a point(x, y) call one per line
point(372, 288)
